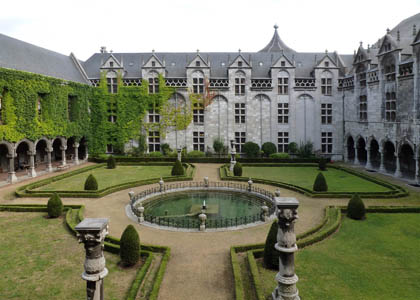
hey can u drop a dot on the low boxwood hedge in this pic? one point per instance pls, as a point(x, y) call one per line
point(396, 191)
point(28, 190)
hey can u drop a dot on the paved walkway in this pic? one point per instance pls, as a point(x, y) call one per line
point(199, 267)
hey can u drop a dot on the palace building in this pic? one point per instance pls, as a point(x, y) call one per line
point(361, 107)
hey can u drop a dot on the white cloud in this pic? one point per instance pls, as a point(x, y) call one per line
point(137, 26)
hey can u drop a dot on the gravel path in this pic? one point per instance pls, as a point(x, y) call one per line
point(199, 267)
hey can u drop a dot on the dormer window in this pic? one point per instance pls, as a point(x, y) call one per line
point(198, 82)
point(239, 64)
point(197, 63)
point(153, 64)
point(326, 83)
point(327, 64)
point(240, 84)
point(283, 63)
point(111, 64)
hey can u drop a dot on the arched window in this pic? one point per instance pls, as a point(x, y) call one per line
point(153, 83)
point(111, 81)
point(239, 83)
point(326, 83)
point(198, 82)
point(363, 108)
point(283, 83)
point(389, 68)
point(390, 107)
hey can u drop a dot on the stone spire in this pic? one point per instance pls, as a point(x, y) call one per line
point(276, 44)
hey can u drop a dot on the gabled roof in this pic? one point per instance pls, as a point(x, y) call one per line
point(326, 58)
point(240, 57)
point(112, 58)
point(283, 57)
point(22, 56)
point(361, 53)
point(276, 44)
point(203, 63)
point(148, 63)
point(388, 39)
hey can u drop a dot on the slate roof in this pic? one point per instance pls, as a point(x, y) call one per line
point(22, 56)
point(276, 44)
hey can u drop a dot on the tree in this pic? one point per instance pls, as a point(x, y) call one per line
point(111, 164)
point(141, 149)
point(305, 150)
point(356, 208)
point(251, 149)
point(218, 146)
point(320, 184)
point(54, 206)
point(237, 169)
point(177, 169)
point(91, 184)
point(268, 148)
point(271, 255)
point(130, 246)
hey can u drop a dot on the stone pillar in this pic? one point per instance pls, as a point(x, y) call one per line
point(11, 178)
point(92, 233)
point(179, 151)
point(63, 155)
point(398, 173)
point(356, 156)
point(232, 155)
point(286, 211)
point(250, 182)
point(206, 181)
point(86, 152)
point(417, 176)
point(49, 165)
point(382, 165)
point(76, 153)
point(161, 183)
point(346, 156)
point(368, 161)
point(31, 171)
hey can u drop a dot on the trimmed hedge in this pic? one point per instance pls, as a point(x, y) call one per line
point(356, 208)
point(111, 164)
point(27, 190)
point(177, 169)
point(396, 191)
point(237, 169)
point(320, 184)
point(130, 246)
point(55, 206)
point(268, 148)
point(91, 184)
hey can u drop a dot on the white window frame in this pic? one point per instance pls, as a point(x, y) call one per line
point(240, 113)
point(326, 113)
point(326, 142)
point(240, 140)
point(283, 141)
point(283, 113)
point(198, 141)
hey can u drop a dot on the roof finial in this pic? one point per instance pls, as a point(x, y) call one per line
point(153, 50)
point(198, 50)
point(388, 31)
point(239, 50)
point(361, 44)
point(276, 27)
point(368, 50)
point(414, 30)
point(326, 51)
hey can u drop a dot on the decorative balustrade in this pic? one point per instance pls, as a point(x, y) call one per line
point(176, 82)
point(132, 82)
point(219, 82)
point(373, 76)
point(261, 83)
point(95, 82)
point(406, 69)
point(348, 82)
point(303, 83)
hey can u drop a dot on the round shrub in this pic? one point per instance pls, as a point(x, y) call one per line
point(251, 149)
point(271, 255)
point(196, 153)
point(130, 246)
point(322, 164)
point(91, 184)
point(166, 149)
point(177, 169)
point(268, 148)
point(155, 154)
point(237, 169)
point(111, 164)
point(356, 208)
point(55, 206)
point(320, 184)
point(281, 155)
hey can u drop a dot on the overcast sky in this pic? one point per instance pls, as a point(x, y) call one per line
point(82, 27)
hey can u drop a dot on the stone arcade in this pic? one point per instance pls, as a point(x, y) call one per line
point(361, 107)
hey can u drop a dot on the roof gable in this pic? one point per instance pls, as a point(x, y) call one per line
point(388, 44)
point(111, 63)
point(326, 62)
point(153, 62)
point(283, 62)
point(198, 62)
point(239, 62)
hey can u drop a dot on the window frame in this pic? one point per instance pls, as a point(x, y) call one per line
point(327, 142)
point(283, 141)
point(326, 113)
point(199, 141)
point(283, 113)
point(240, 113)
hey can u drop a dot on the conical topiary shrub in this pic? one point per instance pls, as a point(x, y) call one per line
point(178, 169)
point(320, 184)
point(91, 184)
point(111, 164)
point(356, 208)
point(237, 169)
point(130, 246)
point(271, 255)
point(55, 206)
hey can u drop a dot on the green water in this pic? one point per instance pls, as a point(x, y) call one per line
point(219, 205)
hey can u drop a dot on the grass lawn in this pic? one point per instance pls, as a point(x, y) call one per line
point(337, 180)
point(40, 259)
point(109, 177)
point(377, 258)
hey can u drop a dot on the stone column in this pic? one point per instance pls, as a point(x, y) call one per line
point(382, 165)
point(346, 156)
point(86, 152)
point(417, 176)
point(63, 155)
point(356, 156)
point(286, 211)
point(76, 153)
point(368, 161)
point(11, 178)
point(31, 171)
point(49, 165)
point(398, 173)
point(92, 233)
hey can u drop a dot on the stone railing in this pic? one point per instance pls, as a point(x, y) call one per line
point(305, 83)
point(261, 83)
point(176, 82)
point(132, 82)
point(219, 83)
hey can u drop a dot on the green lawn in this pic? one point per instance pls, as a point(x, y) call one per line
point(378, 258)
point(40, 259)
point(109, 177)
point(337, 180)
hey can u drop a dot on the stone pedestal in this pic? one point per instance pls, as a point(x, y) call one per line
point(11, 177)
point(286, 211)
point(92, 233)
point(203, 219)
point(179, 151)
point(398, 173)
point(250, 183)
point(76, 153)
point(161, 184)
